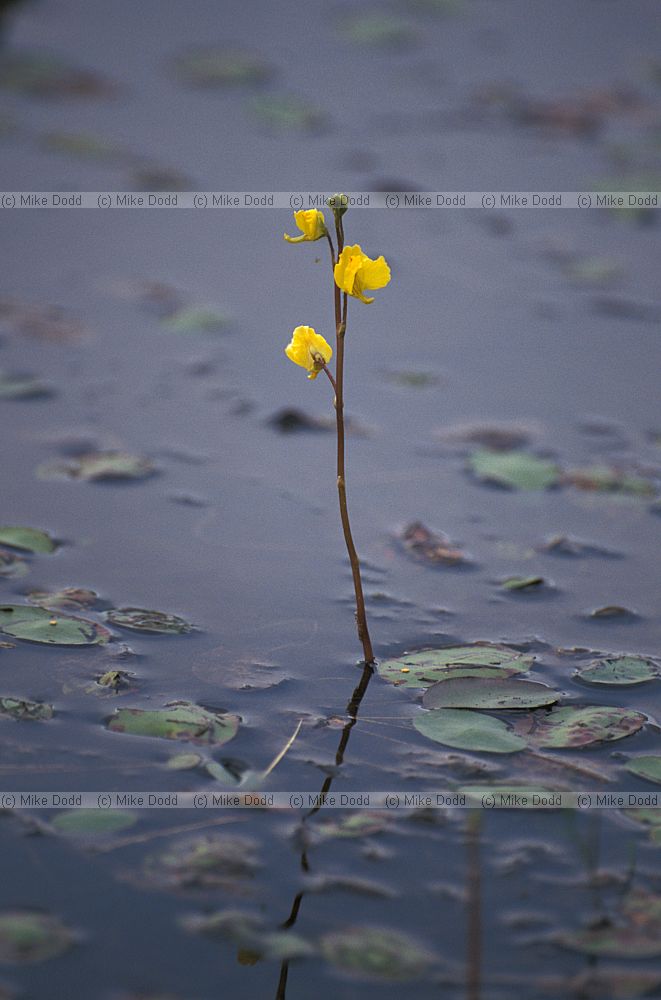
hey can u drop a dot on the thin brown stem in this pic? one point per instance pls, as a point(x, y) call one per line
point(340, 328)
point(332, 249)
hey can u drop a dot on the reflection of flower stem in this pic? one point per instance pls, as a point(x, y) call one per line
point(340, 329)
point(474, 931)
point(353, 708)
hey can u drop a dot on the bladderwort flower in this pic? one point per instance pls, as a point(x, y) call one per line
point(312, 224)
point(356, 273)
point(308, 349)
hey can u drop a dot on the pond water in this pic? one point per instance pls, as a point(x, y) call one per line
point(161, 334)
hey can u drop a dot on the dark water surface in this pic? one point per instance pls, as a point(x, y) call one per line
point(546, 320)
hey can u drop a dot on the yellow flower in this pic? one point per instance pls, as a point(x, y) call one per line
point(308, 349)
point(356, 273)
point(311, 223)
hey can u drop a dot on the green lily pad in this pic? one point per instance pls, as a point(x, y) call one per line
point(603, 478)
point(196, 320)
point(23, 387)
point(99, 466)
point(427, 666)
point(636, 935)
point(375, 953)
point(467, 730)
point(12, 565)
point(481, 692)
point(179, 721)
point(285, 113)
point(245, 930)
point(516, 470)
point(217, 66)
point(620, 670)
point(18, 708)
point(142, 620)
point(646, 766)
point(184, 762)
point(580, 726)
point(36, 624)
point(26, 539)
point(476, 793)
point(92, 822)
point(27, 936)
point(515, 583)
point(355, 824)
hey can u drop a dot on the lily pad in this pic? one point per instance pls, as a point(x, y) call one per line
point(18, 708)
point(197, 320)
point(142, 620)
point(467, 730)
point(247, 931)
point(184, 762)
point(620, 671)
point(355, 824)
point(23, 387)
point(179, 721)
point(375, 953)
point(92, 822)
point(516, 470)
point(285, 113)
point(27, 936)
point(206, 862)
point(99, 466)
point(516, 583)
point(36, 624)
point(67, 599)
point(580, 726)
point(216, 66)
point(605, 479)
point(480, 692)
point(427, 666)
point(636, 935)
point(26, 539)
point(646, 766)
point(12, 565)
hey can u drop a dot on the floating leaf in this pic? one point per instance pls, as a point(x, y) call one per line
point(42, 74)
point(12, 565)
point(650, 818)
point(142, 620)
point(179, 721)
point(515, 583)
point(355, 824)
point(427, 547)
point(36, 624)
point(216, 66)
point(637, 935)
point(375, 953)
point(246, 930)
point(184, 762)
point(505, 436)
point(44, 322)
point(67, 599)
point(27, 936)
point(468, 731)
point(284, 113)
point(430, 665)
point(619, 670)
point(27, 539)
point(22, 387)
point(514, 469)
point(604, 478)
point(411, 379)
point(197, 320)
point(579, 726)
point(206, 862)
point(566, 545)
point(480, 692)
point(17, 708)
point(648, 767)
point(92, 822)
point(99, 466)
point(613, 611)
point(377, 30)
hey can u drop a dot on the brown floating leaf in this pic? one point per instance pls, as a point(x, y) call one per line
point(430, 548)
point(43, 322)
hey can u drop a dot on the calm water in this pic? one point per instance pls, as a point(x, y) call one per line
point(238, 533)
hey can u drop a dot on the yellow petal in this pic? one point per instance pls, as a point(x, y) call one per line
point(374, 273)
point(305, 348)
point(312, 224)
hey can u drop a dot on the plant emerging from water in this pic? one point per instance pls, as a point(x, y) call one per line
point(354, 274)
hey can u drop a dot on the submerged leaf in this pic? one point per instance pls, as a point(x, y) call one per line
point(206, 862)
point(27, 539)
point(196, 319)
point(27, 936)
point(636, 935)
point(22, 387)
point(179, 721)
point(45, 75)
point(17, 708)
point(430, 665)
point(12, 565)
point(604, 478)
point(285, 113)
point(514, 469)
point(427, 547)
point(99, 466)
point(92, 822)
point(142, 620)
point(375, 953)
point(467, 730)
point(36, 624)
point(480, 692)
point(619, 671)
point(218, 66)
